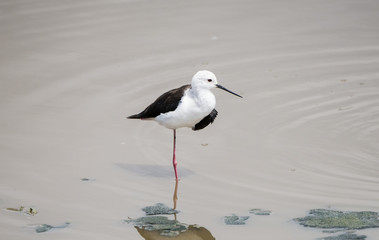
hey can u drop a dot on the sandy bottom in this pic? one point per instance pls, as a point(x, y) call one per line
point(305, 135)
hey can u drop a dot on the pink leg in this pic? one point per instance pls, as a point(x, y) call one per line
point(174, 162)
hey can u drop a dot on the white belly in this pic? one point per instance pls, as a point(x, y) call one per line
point(191, 110)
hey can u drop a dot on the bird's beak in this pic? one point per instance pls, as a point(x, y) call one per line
point(221, 87)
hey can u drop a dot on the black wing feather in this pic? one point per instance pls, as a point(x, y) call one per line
point(167, 102)
point(206, 120)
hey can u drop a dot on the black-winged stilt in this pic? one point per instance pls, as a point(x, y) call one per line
point(191, 105)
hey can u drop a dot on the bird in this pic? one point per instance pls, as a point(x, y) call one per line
point(191, 105)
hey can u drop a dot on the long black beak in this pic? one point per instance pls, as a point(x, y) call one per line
point(221, 87)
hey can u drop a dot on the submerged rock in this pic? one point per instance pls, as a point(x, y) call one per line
point(345, 236)
point(167, 229)
point(235, 220)
point(158, 209)
point(325, 218)
point(160, 227)
point(258, 211)
point(46, 227)
point(43, 228)
point(88, 179)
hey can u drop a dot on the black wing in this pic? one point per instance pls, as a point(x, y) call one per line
point(206, 120)
point(167, 102)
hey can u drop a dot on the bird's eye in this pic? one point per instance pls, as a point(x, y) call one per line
point(209, 80)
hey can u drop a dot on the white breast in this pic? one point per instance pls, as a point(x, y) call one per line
point(194, 106)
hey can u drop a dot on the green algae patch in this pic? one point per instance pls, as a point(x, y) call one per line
point(165, 226)
point(159, 209)
point(27, 210)
point(325, 218)
point(20, 209)
point(160, 224)
point(235, 220)
point(258, 211)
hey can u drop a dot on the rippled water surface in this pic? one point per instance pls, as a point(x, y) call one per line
point(304, 136)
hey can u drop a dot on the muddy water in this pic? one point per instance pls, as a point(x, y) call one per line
point(304, 136)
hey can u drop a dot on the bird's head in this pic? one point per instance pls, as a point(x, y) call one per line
point(206, 79)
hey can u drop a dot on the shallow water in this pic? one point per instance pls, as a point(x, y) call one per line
point(304, 136)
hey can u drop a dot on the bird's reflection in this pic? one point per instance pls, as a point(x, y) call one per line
point(175, 197)
point(155, 227)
